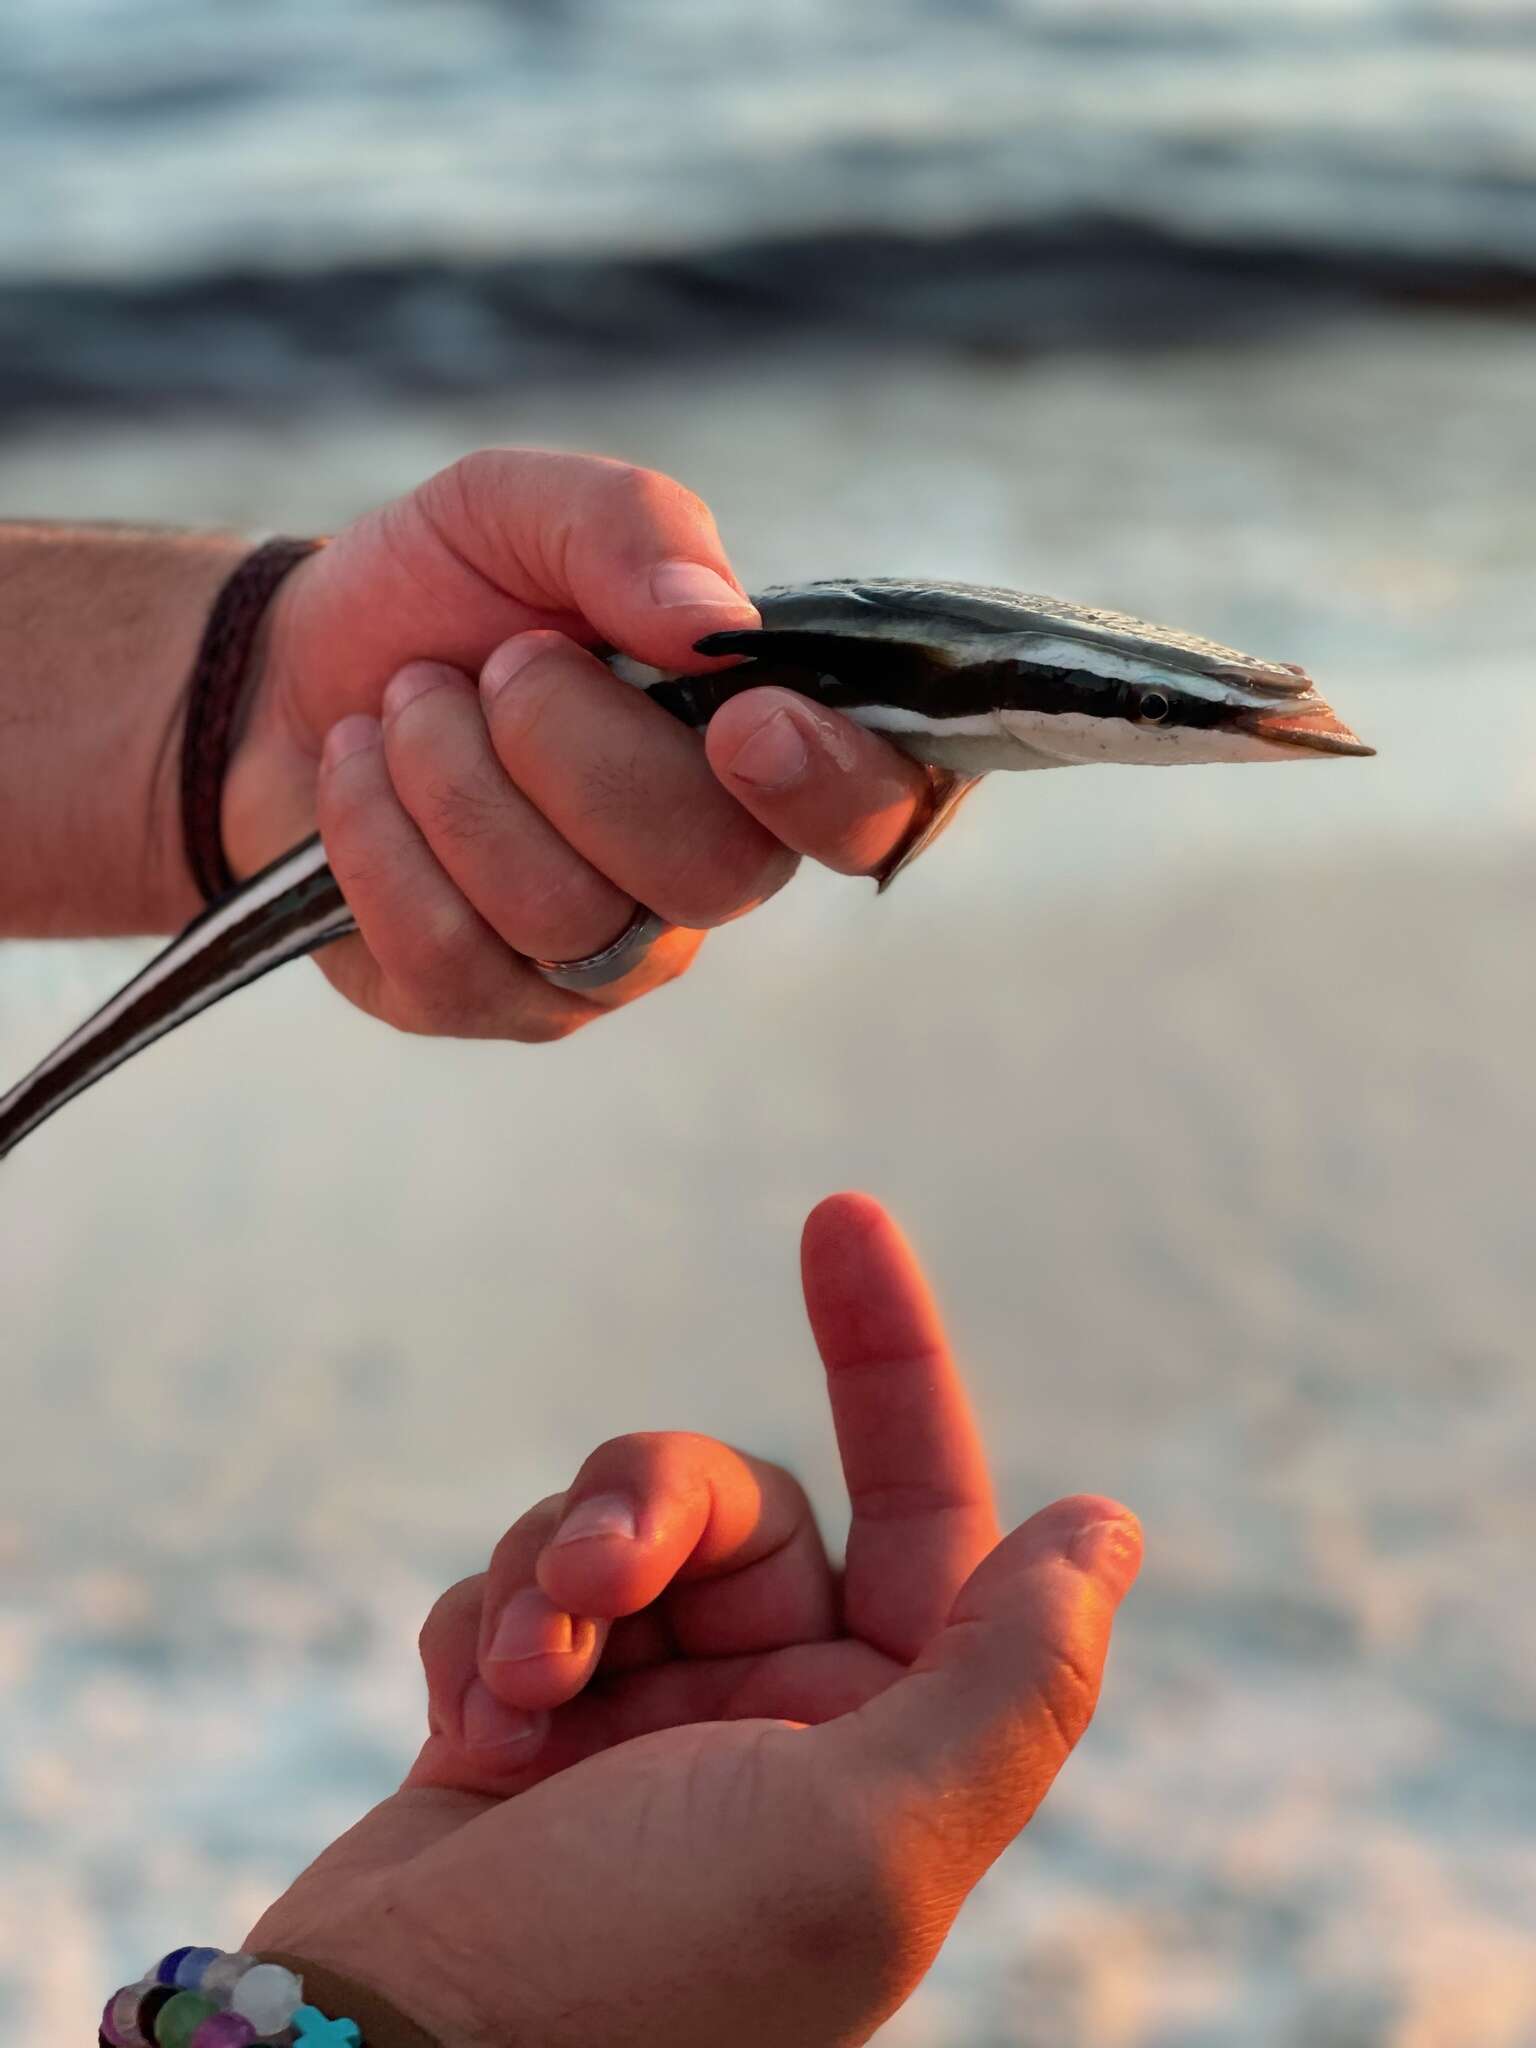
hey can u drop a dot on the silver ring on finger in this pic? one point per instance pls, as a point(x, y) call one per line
point(622, 957)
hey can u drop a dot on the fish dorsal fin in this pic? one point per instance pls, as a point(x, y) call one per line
point(965, 619)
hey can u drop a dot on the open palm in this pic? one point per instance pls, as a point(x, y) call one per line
point(686, 1783)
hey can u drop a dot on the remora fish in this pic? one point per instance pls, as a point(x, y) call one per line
point(963, 678)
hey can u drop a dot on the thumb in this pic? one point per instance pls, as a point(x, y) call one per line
point(969, 1742)
point(581, 539)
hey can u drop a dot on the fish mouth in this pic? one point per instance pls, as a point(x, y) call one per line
point(1315, 729)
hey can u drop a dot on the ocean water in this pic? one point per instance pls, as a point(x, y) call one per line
point(368, 131)
point(1207, 1096)
point(284, 202)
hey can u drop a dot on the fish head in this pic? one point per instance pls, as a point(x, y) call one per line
point(975, 678)
point(1157, 718)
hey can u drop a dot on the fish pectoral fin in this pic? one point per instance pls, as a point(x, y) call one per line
point(947, 792)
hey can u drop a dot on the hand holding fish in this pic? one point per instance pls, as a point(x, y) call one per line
point(688, 1784)
point(489, 792)
point(555, 805)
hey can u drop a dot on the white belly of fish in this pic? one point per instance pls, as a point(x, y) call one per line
point(1054, 739)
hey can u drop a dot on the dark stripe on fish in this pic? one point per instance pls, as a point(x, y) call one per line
point(862, 647)
point(846, 677)
point(207, 963)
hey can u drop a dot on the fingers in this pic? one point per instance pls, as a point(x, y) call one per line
point(528, 883)
point(432, 963)
point(505, 540)
point(821, 784)
point(923, 1515)
point(675, 1544)
point(509, 539)
point(470, 829)
point(464, 1717)
point(634, 554)
point(967, 1744)
point(625, 785)
point(529, 1651)
point(727, 1542)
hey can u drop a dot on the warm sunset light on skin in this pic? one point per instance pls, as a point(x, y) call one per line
point(959, 679)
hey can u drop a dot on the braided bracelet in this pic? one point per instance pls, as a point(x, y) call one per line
point(203, 1998)
point(213, 698)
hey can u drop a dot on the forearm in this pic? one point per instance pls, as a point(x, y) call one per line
point(99, 627)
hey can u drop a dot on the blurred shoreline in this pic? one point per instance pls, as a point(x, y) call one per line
point(298, 205)
point(252, 340)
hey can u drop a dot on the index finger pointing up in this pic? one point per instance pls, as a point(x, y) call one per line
point(923, 1514)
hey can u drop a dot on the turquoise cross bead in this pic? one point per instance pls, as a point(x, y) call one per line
point(316, 2031)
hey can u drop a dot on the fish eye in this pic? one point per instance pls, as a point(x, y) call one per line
point(1152, 707)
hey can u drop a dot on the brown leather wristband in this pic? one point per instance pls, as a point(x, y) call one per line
point(213, 698)
point(338, 1997)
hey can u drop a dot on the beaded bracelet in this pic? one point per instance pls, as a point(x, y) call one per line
point(203, 1998)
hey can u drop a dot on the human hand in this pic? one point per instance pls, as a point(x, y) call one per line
point(691, 1785)
point(487, 790)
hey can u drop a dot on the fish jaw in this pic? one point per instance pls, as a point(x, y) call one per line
point(1292, 731)
point(1033, 740)
point(1017, 740)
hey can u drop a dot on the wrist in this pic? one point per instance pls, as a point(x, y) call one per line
point(199, 1997)
point(425, 2004)
point(99, 627)
point(381, 2023)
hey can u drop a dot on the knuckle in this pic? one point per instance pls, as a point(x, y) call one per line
point(638, 1446)
point(458, 810)
point(466, 484)
point(779, 1476)
point(721, 878)
point(476, 466)
point(549, 1029)
point(345, 806)
point(568, 912)
point(433, 1638)
point(1068, 1694)
point(363, 860)
point(365, 834)
point(518, 708)
point(434, 949)
point(615, 791)
point(651, 497)
point(911, 1501)
point(657, 1458)
point(537, 1521)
